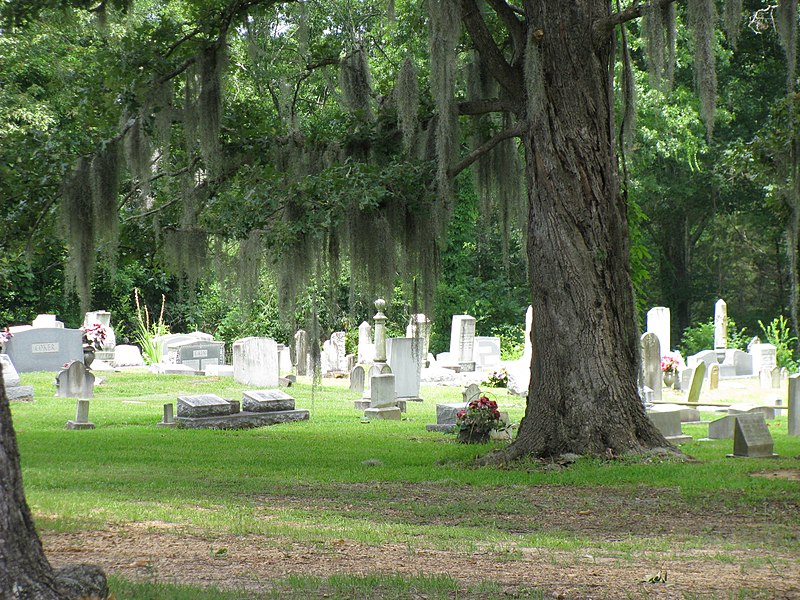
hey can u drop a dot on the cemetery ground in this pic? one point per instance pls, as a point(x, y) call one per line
point(334, 507)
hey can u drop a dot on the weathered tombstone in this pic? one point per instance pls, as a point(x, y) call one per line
point(267, 400)
point(446, 417)
point(742, 363)
point(44, 348)
point(126, 355)
point(81, 420)
point(169, 416)
point(784, 373)
point(793, 405)
point(403, 357)
point(383, 398)
point(255, 361)
point(685, 378)
point(658, 322)
point(284, 359)
point(751, 437)
point(366, 349)
point(15, 391)
point(722, 429)
point(338, 353)
point(76, 381)
point(765, 356)
point(651, 364)
point(170, 343)
point(720, 326)
point(301, 352)
point(420, 327)
point(696, 383)
point(470, 393)
point(357, 378)
point(709, 357)
point(203, 405)
point(669, 424)
point(775, 378)
point(765, 379)
point(713, 377)
point(487, 352)
point(462, 341)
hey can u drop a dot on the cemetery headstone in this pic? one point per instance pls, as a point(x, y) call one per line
point(383, 398)
point(106, 351)
point(255, 362)
point(713, 377)
point(470, 393)
point(366, 349)
point(720, 326)
point(462, 341)
point(487, 352)
point(765, 379)
point(203, 405)
point(651, 364)
point(685, 378)
point(446, 417)
point(793, 405)
point(15, 391)
point(338, 360)
point(775, 378)
point(301, 352)
point(403, 357)
point(44, 348)
point(357, 378)
point(764, 357)
point(267, 400)
point(81, 420)
point(751, 437)
point(722, 429)
point(75, 381)
point(658, 322)
point(199, 354)
point(696, 384)
point(420, 327)
point(669, 424)
point(126, 355)
point(47, 321)
point(741, 408)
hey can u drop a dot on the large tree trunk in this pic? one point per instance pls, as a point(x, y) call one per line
point(25, 573)
point(583, 394)
point(24, 570)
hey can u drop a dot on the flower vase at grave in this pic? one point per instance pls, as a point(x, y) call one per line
point(88, 355)
point(669, 378)
point(472, 436)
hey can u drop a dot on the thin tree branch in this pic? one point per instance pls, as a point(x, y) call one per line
point(501, 70)
point(603, 27)
point(511, 132)
point(509, 17)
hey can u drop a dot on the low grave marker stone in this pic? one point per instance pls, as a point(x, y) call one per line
point(751, 437)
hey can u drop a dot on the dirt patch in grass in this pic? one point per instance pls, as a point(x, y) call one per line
point(704, 552)
point(790, 474)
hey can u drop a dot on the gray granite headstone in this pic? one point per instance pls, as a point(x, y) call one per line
point(751, 437)
point(266, 401)
point(751, 407)
point(793, 420)
point(696, 383)
point(44, 348)
point(721, 429)
point(10, 375)
point(255, 362)
point(669, 424)
point(204, 405)
point(382, 392)
point(470, 393)
point(357, 378)
point(200, 354)
point(76, 381)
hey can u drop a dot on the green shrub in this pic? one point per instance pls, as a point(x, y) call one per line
point(701, 337)
point(778, 333)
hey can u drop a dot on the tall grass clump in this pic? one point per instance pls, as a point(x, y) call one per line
point(147, 332)
point(779, 334)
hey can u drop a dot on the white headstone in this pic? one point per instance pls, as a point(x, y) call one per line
point(126, 355)
point(720, 325)
point(103, 317)
point(255, 361)
point(382, 391)
point(46, 321)
point(487, 352)
point(765, 357)
point(658, 322)
point(420, 327)
point(462, 341)
point(403, 356)
point(366, 349)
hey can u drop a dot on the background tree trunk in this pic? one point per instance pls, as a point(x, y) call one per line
point(24, 570)
point(583, 395)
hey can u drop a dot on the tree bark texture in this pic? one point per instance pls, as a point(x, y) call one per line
point(583, 395)
point(24, 570)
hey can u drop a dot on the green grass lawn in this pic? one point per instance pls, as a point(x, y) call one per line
point(336, 477)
